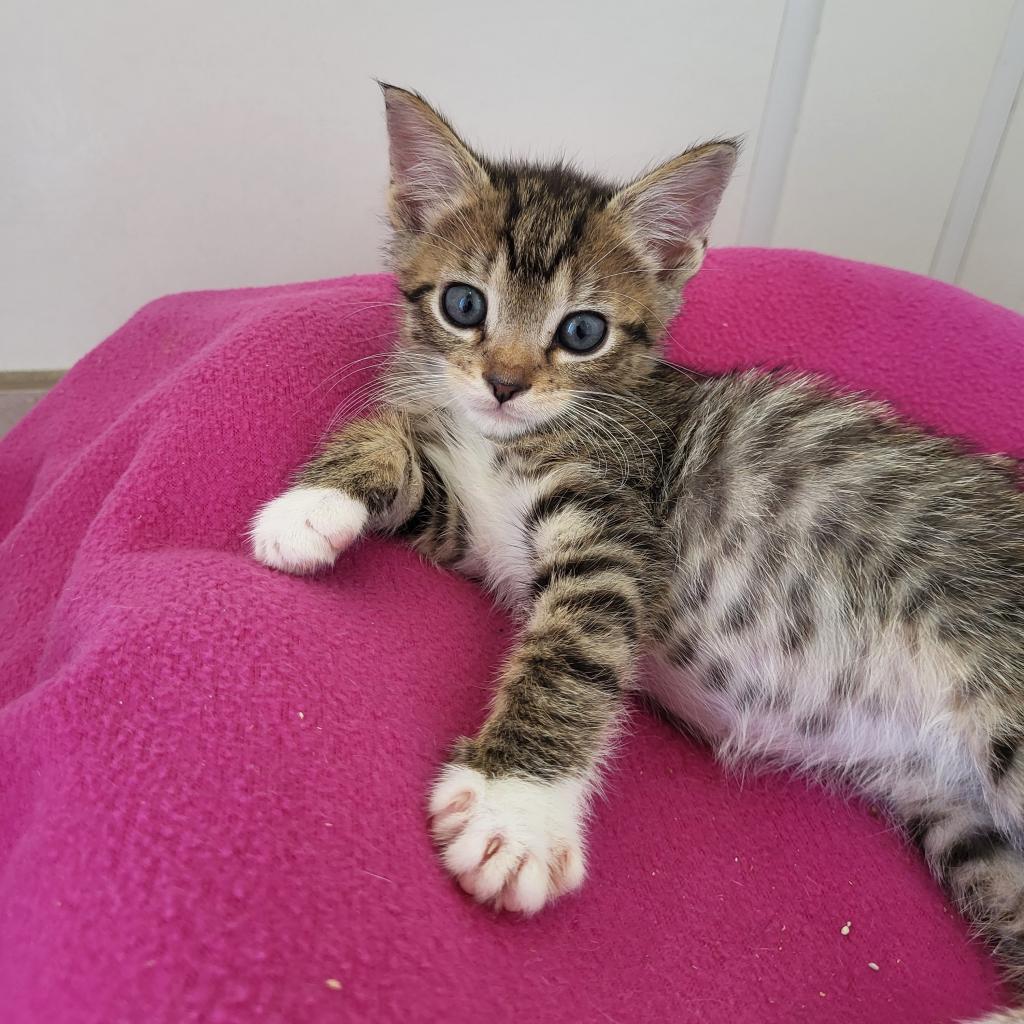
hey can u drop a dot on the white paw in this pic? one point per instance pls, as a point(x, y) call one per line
point(306, 528)
point(513, 842)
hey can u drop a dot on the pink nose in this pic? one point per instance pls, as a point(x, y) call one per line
point(505, 388)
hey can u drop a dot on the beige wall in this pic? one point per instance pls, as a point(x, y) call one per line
point(150, 147)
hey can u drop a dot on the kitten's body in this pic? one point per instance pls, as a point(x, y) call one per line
point(799, 577)
point(797, 630)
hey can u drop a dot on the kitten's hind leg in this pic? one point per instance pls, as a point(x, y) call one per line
point(982, 867)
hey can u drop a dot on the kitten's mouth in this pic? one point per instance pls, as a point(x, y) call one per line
point(518, 415)
point(503, 414)
point(506, 416)
point(500, 419)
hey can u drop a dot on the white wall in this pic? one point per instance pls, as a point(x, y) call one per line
point(892, 98)
point(149, 147)
point(995, 258)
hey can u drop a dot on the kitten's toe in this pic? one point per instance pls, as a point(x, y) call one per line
point(306, 528)
point(526, 889)
point(567, 868)
point(513, 842)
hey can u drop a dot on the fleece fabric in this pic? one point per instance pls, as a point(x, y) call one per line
point(213, 776)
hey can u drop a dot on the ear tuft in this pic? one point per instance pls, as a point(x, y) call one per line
point(430, 165)
point(673, 206)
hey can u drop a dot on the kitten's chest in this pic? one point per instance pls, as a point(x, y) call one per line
point(494, 501)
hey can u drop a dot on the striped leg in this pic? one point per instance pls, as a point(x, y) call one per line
point(508, 811)
point(368, 476)
point(981, 867)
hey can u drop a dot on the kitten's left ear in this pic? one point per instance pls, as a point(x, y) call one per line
point(430, 165)
point(672, 208)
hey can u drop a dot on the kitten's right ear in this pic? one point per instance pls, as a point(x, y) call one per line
point(430, 164)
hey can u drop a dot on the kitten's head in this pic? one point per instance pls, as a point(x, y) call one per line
point(531, 290)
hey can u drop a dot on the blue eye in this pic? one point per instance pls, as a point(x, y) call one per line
point(581, 332)
point(463, 305)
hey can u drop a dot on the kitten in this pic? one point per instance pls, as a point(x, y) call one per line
point(796, 575)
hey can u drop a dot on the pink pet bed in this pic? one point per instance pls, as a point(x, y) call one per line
point(212, 776)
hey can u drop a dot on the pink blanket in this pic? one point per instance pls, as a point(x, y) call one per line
point(213, 776)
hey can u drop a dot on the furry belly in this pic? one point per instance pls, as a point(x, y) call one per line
point(799, 722)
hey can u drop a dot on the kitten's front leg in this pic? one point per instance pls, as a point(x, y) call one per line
point(508, 811)
point(367, 476)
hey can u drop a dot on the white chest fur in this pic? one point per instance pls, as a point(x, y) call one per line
point(495, 502)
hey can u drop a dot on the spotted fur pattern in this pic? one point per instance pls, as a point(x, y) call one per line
point(797, 575)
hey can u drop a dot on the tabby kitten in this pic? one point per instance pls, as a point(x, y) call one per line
point(797, 575)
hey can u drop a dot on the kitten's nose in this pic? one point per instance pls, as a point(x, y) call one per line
point(505, 388)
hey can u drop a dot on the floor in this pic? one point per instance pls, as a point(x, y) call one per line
point(19, 392)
